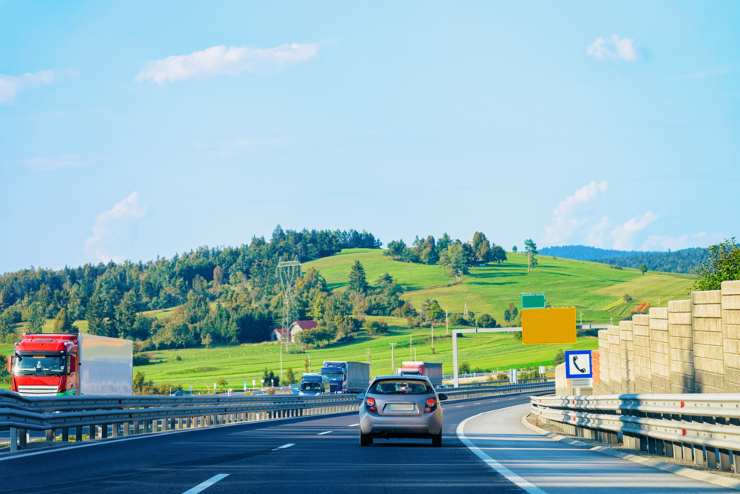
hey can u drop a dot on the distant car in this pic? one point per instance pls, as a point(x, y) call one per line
point(180, 392)
point(401, 406)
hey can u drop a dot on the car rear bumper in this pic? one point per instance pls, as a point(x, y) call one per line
point(401, 426)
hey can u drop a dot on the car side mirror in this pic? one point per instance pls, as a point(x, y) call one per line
point(442, 397)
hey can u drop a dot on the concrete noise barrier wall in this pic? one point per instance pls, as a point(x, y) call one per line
point(690, 346)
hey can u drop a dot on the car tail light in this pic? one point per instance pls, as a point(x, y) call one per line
point(430, 405)
point(370, 404)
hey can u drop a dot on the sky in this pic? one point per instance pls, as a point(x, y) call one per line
point(131, 130)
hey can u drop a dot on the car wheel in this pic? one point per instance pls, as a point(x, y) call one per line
point(366, 440)
point(437, 440)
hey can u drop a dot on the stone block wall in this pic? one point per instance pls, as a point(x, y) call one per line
point(659, 363)
point(706, 318)
point(627, 354)
point(604, 386)
point(681, 347)
point(730, 303)
point(641, 346)
point(615, 365)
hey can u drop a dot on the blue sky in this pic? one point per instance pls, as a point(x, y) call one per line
point(137, 129)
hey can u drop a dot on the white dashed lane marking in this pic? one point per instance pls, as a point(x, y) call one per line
point(206, 484)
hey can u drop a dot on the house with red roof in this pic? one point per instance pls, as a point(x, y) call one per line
point(290, 335)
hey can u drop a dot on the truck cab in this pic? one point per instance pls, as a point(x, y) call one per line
point(45, 365)
point(313, 385)
point(335, 374)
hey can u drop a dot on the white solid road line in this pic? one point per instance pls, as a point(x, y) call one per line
point(520, 482)
point(288, 445)
point(324, 433)
point(205, 485)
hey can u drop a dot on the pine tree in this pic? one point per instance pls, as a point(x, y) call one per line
point(531, 249)
point(357, 279)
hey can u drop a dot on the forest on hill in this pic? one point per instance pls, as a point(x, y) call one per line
point(222, 295)
point(678, 261)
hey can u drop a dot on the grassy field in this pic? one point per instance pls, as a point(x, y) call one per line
point(239, 364)
point(596, 290)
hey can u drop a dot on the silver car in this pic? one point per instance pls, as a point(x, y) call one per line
point(401, 406)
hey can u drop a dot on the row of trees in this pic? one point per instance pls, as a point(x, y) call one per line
point(456, 256)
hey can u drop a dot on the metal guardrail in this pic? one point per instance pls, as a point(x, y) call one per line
point(699, 429)
point(82, 418)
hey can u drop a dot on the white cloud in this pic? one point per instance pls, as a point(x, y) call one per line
point(225, 60)
point(104, 232)
point(612, 48)
point(564, 222)
point(623, 235)
point(597, 235)
point(668, 242)
point(12, 85)
point(46, 163)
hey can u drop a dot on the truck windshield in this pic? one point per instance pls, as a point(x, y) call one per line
point(332, 373)
point(39, 365)
point(312, 387)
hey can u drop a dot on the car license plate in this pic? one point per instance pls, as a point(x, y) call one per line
point(401, 407)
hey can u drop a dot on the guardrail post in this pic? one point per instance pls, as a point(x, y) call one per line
point(22, 438)
point(712, 458)
point(13, 439)
point(50, 435)
point(126, 428)
point(631, 442)
point(78, 434)
point(65, 434)
point(103, 431)
point(724, 460)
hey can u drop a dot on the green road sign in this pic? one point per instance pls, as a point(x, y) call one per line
point(533, 300)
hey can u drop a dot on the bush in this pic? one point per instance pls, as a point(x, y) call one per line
point(376, 327)
point(465, 368)
point(485, 321)
point(142, 359)
point(559, 357)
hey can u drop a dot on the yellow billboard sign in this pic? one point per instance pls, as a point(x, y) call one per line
point(554, 325)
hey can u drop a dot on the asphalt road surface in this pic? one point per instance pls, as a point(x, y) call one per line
point(323, 455)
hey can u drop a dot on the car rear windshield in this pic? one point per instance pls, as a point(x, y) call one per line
point(401, 387)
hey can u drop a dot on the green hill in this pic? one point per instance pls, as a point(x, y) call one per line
point(596, 290)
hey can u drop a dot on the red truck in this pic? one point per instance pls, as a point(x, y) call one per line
point(71, 364)
point(433, 370)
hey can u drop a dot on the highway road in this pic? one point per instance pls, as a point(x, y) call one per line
point(323, 455)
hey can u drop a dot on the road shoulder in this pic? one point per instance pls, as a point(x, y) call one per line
point(682, 470)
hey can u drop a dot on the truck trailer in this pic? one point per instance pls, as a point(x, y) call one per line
point(347, 377)
point(433, 370)
point(71, 364)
